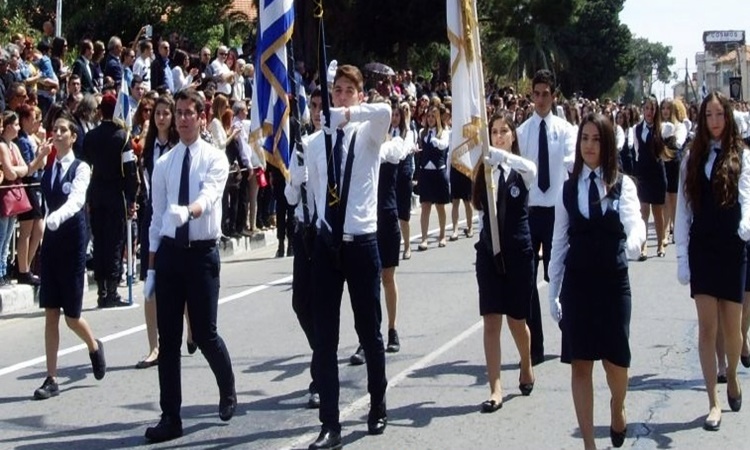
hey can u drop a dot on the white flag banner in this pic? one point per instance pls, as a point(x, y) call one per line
point(466, 84)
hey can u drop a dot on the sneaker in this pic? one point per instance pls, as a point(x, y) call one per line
point(358, 358)
point(393, 343)
point(49, 389)
point(98, 363)
point(313, 401)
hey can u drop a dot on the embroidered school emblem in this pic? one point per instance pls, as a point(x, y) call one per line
point(66, 188)
point(515, 192)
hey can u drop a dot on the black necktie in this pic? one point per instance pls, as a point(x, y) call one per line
point(500, 204)
point(595, 207)
point(543, 180)
point(58, 176)
point(334, 180)
point(182, 233)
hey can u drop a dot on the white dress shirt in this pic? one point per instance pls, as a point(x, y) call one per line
point(79, 186)
point(561, 142)
point(524, 167)
point(219, 69)
point(371, 121)
point(180, 80)
point(684, 213)
point(444, 140)
point(628, 206)
point(218, 134)
point(209, 169)
point(619, 137)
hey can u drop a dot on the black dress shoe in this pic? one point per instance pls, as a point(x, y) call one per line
point(146, 364)
point(617, 437)
point(377, 419)
point(712, 425)
point(358, 358)
point(745, 360)
point(490, 406)
point(327, 440)
point(192, 347)
point(734, 403)
point(526, 388)
point(227, 407)
point(166, 430)
point(394, 345)
point(98, 363)
point(28, 278)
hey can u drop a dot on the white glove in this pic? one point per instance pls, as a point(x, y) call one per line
point(744, 230)
point(434, 141)
point(495, 156)
point(149, 288)
point(667, 130)
point(338, 120)
point(633, 248)
point(555, 309)
point(53, 222)
point(297, 172)
point(178, 215)
point(683, 270)
point(332, 67)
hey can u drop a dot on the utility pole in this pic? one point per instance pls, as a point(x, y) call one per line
point(58, 18)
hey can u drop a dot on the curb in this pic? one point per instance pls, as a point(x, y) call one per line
point(18, 299)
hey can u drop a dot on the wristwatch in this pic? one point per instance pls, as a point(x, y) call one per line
point(191, 216)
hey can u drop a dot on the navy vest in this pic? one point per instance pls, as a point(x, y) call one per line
point(55, 198)
point(595, 245)
point(431, 153)
point(712, 221)
point(387, 186)
point(512, 217)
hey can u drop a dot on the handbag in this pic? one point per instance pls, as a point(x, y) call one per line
point(262, 180)
point(13, 200)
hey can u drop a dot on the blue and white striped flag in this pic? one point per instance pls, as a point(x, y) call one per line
point(123, 108)
point(270, 111)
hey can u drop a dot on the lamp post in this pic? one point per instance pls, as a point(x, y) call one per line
point(58, 18)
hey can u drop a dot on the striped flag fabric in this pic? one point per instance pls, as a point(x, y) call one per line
point(123, 108)
point(270, 112)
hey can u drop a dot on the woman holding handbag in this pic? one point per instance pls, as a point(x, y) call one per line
point(14, 168)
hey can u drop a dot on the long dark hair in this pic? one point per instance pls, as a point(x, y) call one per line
point(726, 182)
point(608, 150)
point(153, 132)
point(479, 188)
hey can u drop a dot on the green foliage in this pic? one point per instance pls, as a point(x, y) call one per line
point(13, 22)
point(652, 62)
point(598, 49)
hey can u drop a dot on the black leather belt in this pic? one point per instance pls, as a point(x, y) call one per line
point(208, 243)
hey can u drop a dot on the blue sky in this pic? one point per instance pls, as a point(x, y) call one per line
point(680, 24)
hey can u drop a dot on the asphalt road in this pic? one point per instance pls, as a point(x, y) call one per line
point(436, 381)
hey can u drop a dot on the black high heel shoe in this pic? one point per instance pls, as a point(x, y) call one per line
point(526, 388)
point(617, 437)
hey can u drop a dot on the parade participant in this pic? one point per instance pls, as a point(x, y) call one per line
point(597, 227)
point(111, 199)
point(303, 239)
point(434, 187)
point(404, 186)
point(674, 139)
point(160, 138)
point(184, 266)
point(650, 153)
point(548, 141)
point(64, 254)
point(346, 248)
point(460, 187)
point(712, 221)
point(389, 234)
point(505, 290)
point(626, 151)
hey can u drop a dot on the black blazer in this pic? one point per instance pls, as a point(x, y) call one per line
point(87, 83)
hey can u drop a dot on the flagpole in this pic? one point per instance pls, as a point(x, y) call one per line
point(323, 76)
point(295, 126)
point(484, 136)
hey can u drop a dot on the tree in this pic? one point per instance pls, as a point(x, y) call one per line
point(652, 62)
point(597, 46)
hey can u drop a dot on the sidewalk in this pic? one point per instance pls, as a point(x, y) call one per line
point(19, 299)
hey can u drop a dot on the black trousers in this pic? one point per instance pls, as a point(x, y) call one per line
point(230, 202)
point(188, 276)
point(360, 264)
point(302, 292)
point(285, 220)
point(542, 225)
point(108, 228)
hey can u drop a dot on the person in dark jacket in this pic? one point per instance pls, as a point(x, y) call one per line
point(111, 199)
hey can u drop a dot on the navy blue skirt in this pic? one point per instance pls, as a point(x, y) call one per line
point(434, 187)
point(460, 185)
point(718, 267)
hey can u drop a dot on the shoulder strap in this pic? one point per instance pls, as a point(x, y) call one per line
point(347, 179)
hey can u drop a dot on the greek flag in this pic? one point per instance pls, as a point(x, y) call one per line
point(123, 109)
point(270, 111)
